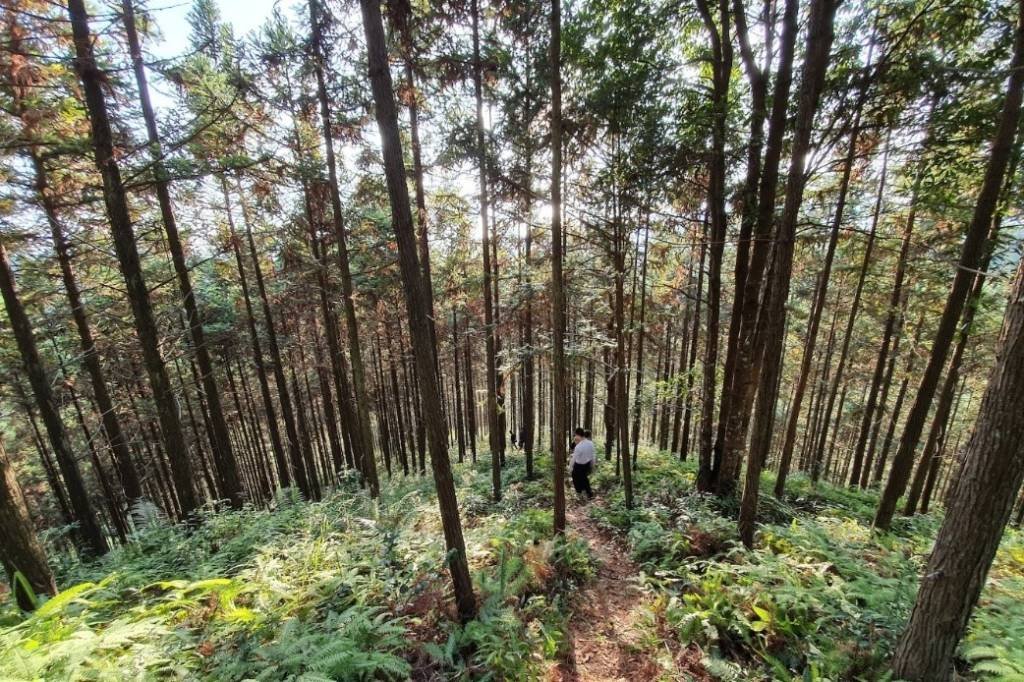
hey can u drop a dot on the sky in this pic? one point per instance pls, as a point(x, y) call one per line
point(243, 15)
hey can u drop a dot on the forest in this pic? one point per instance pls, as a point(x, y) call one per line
point(500, 340)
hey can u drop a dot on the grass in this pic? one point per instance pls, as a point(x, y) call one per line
point(349, 589)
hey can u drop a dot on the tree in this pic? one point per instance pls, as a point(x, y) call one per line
point(223, 455)
point(415, 301)
point(116, 201)
point(20, 550)
point(971, 255)
point(558, 382)
point(92, 537)
point(979, 511)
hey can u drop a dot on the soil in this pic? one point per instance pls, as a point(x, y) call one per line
point(603, 632)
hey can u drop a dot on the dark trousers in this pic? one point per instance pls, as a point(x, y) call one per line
point(581, 479)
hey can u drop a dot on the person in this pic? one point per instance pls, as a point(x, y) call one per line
point(583, 456)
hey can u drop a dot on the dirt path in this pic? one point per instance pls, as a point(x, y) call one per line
point(602, 631)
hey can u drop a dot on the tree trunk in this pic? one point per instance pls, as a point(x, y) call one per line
point(758, 78)
point(885, 363)
point(980, 508)
point(283, 476)
point(819, 45)
point(298, 471)
point(970, 258)
point(223, 456)
point(416, 305)
point(93, 541)
point(819, 450)
point(721, 49)
point(20, 549)
point(123, 234)
point(493, 425)
point(363, 434)
point(558, 387)
point(747, 367)
point(641, 332)
point(820, 295)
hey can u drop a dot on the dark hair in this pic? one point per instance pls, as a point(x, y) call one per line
point(586, 434)
point(580, 432)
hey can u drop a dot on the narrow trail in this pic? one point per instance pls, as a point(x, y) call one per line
point(603, 635)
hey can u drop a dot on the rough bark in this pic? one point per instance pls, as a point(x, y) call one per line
point(977, 514)
point(20, 549)
point(558, 378)
point(970, 258)
point(415, 298)
point(116, 202)
point(819, 46)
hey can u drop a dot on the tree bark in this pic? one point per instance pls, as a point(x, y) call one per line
point(748, 354)
point(558, 379)
point(416, 305)
point(970, 257)
point(977, 514)
point(92, 539)
point(123, 234)
point(20, 549)
point(721, 65)
point(819, 46)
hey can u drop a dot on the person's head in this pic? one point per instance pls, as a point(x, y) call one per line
point(578, 435)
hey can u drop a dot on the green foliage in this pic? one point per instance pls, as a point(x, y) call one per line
point(821, 597)
point(342, 589)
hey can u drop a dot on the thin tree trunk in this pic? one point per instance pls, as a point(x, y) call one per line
point(283, 475)
point(223, 455)
point(851, 320)
point(123, 234)
point(558, 378)
point(493, 425)
point(416, 305)
point(92, 539)
point(298, 471)
point(820, 295)
point(363, 435)
point(970, 258)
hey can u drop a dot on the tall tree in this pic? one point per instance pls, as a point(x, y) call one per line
point(93, 540)
point(979, 511)
point(364, 439)
point(116, 201)
point(558, 379)
point(415, 301)
point(971, 255)
point(223, 456)
point(816, 60)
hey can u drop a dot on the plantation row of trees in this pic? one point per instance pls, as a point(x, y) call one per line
point(771, 236)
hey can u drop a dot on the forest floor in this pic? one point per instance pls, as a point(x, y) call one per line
point(602, 636)
point(352, 589)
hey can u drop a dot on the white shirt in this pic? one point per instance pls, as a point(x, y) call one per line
point(583, 453)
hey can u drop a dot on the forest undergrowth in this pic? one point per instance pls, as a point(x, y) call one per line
point(346, 589)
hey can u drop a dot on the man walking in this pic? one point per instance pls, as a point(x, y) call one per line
point(583, 456)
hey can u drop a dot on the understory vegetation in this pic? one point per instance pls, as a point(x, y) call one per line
point(347, 589)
